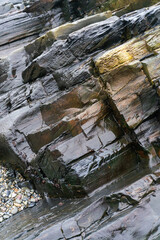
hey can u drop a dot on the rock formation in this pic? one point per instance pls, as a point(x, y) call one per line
point(79, 101)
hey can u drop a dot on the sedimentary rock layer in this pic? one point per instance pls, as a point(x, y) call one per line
point(74, 103)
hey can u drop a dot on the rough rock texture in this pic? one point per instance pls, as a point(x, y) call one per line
point(72, 106)
point(128, 214)
point(79, 108)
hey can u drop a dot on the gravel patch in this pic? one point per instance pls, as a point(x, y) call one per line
point(16, 193)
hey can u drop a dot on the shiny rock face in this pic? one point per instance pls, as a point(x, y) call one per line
point(73, 106)
point(79, 108)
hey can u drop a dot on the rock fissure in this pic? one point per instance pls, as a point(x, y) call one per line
point(79, 111)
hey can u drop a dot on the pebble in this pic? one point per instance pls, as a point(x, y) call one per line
point(14, 210)
point(17, 204)
point(18, 201)
point(31, 205)
point(5, 216)
point(14, 195)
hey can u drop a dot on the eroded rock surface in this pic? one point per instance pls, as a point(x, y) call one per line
point(74, 104)
point(79, 108)
point(131, 213)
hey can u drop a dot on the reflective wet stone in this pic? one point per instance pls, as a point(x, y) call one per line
point(31, 205)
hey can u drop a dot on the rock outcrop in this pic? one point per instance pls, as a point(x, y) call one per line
point(126, 214)
point(80, 104)
point(79, 108)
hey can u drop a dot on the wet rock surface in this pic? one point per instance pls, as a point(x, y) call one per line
point(131, 212)
point(79, 108)
point(73, 106)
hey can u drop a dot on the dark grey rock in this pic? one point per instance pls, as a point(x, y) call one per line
point(54, 99)
point(16, 28)
point(70, 228)
point(92, 214)
point(53, 232)
point(33, 72)
point(18, 98)
point(49, 84)
point(4, 67)
point(5, 104)
point(83, 43)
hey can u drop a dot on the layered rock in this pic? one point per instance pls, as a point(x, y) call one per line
point(79, 114)
point(71, 116)
point(131, 84)
point(126, 214)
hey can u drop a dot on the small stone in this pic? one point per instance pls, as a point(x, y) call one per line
point(14, 210)
point(6, 216)
point(17, 204)
point(3, 209)
point(25, 203)
point(31, 205)
point(60, 204)
point(32, 200)
point(12, 195)
point(8, 193)
point(25, 198)
point(21, 208)
point(26, 190)
point(19, 196)
point(18, 200)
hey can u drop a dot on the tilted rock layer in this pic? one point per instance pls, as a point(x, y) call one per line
point(80, 115)
point(79, 103)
